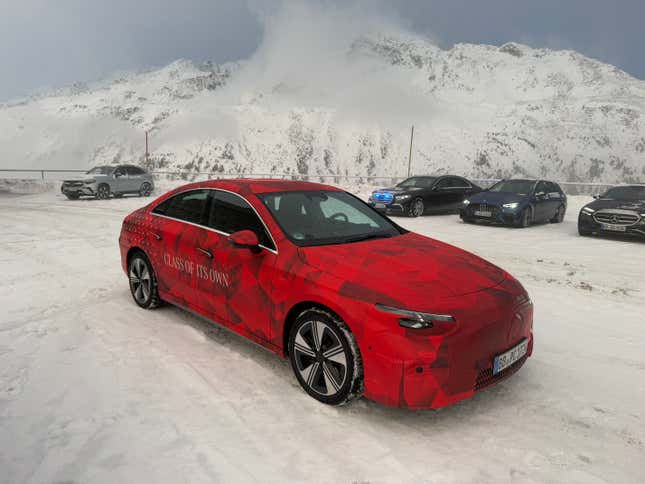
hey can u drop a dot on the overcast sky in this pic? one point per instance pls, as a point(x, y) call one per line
point(50, 43)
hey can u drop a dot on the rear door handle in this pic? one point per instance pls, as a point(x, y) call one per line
point(156, 236)
point(207, 253)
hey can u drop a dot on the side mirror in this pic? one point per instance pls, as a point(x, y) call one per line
point(245, 239)
point(596, 197)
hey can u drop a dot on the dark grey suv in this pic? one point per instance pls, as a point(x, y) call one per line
point(105, 181)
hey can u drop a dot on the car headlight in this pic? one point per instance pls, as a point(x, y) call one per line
point(588, 210)
point(466, 202)
point(401, 198)
point(414, 319)
point(511, 205)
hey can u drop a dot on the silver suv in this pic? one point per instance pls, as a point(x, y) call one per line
point(103, 181)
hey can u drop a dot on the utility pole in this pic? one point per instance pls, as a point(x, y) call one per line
point(147, 152)
point(410, 158)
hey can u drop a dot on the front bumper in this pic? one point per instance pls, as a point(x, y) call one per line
point(78, 189)
point(500, 215)
point(424, 371)
point(394, 208)
point(588, 223)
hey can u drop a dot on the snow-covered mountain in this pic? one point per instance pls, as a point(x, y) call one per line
point(482, 111)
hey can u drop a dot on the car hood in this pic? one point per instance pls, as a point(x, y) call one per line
point(497, 198)
point(398, 190)
point(408, 271)
point(80, 178)
point(636, 205)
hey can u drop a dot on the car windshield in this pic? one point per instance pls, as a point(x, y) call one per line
point(518, 187)
point(327, 217)
point(635, 193)
point(100, 170)
point(417, 182)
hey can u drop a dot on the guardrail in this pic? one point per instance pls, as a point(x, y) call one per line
point(571, 188)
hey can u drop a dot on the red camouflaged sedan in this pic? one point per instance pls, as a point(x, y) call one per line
point(358, 304)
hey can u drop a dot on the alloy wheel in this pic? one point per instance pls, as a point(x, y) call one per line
point(320, 358)
point(146, 190)
point(103, 192)
point(417, 208)
point(140, 281)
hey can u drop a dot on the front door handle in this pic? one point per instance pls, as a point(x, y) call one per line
point(207, 253)
point(156, 236)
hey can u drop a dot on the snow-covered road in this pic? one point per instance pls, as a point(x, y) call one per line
point(94, 389)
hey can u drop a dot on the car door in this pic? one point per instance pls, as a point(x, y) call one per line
point(439, 195)
point(238, 281)
point(135, 178)
point(459, 189)
point(120, 184)
point(541, 201)
point(556, 199)
point(175, 233)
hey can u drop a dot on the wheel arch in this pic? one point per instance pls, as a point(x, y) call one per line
point(293, 314)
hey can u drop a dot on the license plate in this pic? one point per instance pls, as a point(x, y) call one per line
point(503, 361)
point(614, 228)
point(379, 205)
point(483, 214)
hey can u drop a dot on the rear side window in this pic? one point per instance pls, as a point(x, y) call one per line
point(187, 206)
point(134, 170)
point(230, 213)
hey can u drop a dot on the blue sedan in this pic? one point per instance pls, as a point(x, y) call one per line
point(517, 202)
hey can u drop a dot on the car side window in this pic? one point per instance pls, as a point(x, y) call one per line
point(445, 183)
point(542, 187)
point(134, 171)
point(230, 213)
point(460, 183)
point(120, 171)
point(188, 206)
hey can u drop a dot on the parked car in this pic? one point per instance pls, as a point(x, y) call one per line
point(620, 210)
point(517, 202)
point(424, 194)
point(104, 181)
point(357, 303)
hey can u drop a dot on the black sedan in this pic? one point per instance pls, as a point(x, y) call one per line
point(621, 210)
point(424, 194)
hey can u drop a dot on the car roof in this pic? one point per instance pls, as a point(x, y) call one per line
point(261, 185)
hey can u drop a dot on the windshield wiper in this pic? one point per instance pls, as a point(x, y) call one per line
point(361, 238)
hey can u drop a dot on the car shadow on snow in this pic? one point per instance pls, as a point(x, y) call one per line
point(495, 400)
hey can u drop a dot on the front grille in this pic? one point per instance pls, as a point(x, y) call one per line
point(486, 377)
point(74, 184)
point(383, 197)
point(483, 207)
point(615, 217)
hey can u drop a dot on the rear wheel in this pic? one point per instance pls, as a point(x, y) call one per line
point(143, 282)
point(417, 208)
point(325, 357)
point(103, 192)
point(145, 190)
point(559, 216)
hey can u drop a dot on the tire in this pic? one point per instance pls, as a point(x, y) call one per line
point(145, 190)
point(525, 218)
point(559, 217)
point(584, 232)
point(143, 282)
point(417, 208)
point(103, 192)
point(325, 357)
point(71, 196)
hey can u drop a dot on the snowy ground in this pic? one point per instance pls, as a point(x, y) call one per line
point(93, 389)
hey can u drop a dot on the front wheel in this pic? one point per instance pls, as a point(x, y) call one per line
point(525, 218)
point(103, 192)
point(143, 282)
point(584, 232)
point(417, 208)
point(325, 357)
